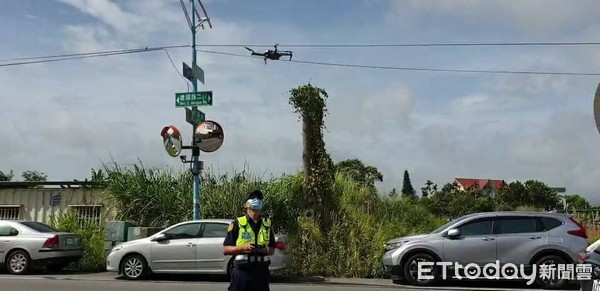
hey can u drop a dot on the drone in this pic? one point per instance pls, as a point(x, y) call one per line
point(271, 54)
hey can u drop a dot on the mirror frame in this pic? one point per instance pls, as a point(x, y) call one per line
point(171, 135)
point(198, 140)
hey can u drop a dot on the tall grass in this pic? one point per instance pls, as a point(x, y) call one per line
point(92, 235)
point(362, 224)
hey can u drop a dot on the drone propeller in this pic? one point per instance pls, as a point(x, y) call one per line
point(251, 50)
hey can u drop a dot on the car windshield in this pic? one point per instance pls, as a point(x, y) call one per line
point(39, 227)
point(441, 228)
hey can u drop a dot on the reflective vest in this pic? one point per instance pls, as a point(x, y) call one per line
point(246, 234)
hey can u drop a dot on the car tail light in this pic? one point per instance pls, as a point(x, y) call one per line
point(51, 242)
point(581, 232)
point(280, 245)
point(583, 257)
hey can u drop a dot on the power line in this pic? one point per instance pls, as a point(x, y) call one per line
point(177, 70)
point(415, 68)
point(95, 53)
point(120, 52)
point(408, 44)
point(323, 46)
point(69, 58)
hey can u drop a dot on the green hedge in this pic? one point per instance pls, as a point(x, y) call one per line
point(92, 235)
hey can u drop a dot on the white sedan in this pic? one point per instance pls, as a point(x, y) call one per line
point(191, 247)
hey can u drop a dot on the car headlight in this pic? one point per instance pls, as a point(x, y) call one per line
point(392, 246)
point(116, 248)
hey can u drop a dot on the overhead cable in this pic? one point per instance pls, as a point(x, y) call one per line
point(414, 68)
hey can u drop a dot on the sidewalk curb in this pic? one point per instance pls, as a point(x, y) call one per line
point(400, 286)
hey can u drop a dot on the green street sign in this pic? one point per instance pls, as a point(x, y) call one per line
point(202, 98)
point(194, 117)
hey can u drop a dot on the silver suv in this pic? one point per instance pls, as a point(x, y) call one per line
point(528, 238)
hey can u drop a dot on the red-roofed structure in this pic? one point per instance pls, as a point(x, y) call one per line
point(487, 186)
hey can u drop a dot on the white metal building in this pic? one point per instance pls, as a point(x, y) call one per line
point(39, 201)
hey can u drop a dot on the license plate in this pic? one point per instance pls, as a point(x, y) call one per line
point(70, 241)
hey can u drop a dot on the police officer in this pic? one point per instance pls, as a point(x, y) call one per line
point(251, 241)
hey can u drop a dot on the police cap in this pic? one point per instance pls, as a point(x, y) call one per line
point(255, 194)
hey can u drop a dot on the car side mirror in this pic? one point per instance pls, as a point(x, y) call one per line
point(453, 233)
point(160, 237)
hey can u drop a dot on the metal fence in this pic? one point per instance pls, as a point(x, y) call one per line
point(591, 218)
point(88, 214)
point(10, 212)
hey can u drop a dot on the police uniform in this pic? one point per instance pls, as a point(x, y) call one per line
point(250, 271)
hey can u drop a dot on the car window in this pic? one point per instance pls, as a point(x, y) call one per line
point(215, 230)
point(37, 226)
point(6, 230)
point(190, 230)
point(443, 227)
point(517, 225)
point(479, 227)
point(550, 223)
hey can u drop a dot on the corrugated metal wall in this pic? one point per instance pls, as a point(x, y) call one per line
point(38, 204)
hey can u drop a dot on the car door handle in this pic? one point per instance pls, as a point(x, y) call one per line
point(489, 238)
point(191, 244)
point(535, 237)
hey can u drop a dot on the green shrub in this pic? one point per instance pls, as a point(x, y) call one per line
point(360, 226)
point(92, 235)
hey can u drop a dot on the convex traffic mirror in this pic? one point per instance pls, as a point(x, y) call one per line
point(208, 136)
point(172, 140)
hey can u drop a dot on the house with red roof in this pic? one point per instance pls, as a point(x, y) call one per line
point(486, 186)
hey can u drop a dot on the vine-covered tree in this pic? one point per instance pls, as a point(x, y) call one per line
point(309, 103)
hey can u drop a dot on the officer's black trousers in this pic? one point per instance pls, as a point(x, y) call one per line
point(250, 278)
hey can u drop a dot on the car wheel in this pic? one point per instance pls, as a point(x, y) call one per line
point(134, 267)
point(18, 262)
point(411, 270)
point(550, 281)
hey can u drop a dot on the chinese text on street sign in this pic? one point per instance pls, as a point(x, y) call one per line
point(203, 98)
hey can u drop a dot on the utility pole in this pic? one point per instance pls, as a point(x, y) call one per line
point(196, 169)
point(207, 136)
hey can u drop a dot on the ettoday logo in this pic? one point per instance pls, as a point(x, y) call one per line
point(491, 271)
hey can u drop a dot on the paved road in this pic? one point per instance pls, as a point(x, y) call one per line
point(11, 283)
point(104, 281)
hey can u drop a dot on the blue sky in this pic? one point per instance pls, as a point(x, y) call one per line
point(65, 118)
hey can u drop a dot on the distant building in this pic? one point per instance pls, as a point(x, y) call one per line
point(39, 201)
point(486, 186)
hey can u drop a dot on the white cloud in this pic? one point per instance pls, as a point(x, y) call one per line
point(106, 11)
point(537, 18)
point(438, 126)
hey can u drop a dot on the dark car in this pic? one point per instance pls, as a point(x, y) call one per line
point(591, 256)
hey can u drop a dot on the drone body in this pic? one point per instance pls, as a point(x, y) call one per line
point(271, 54)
